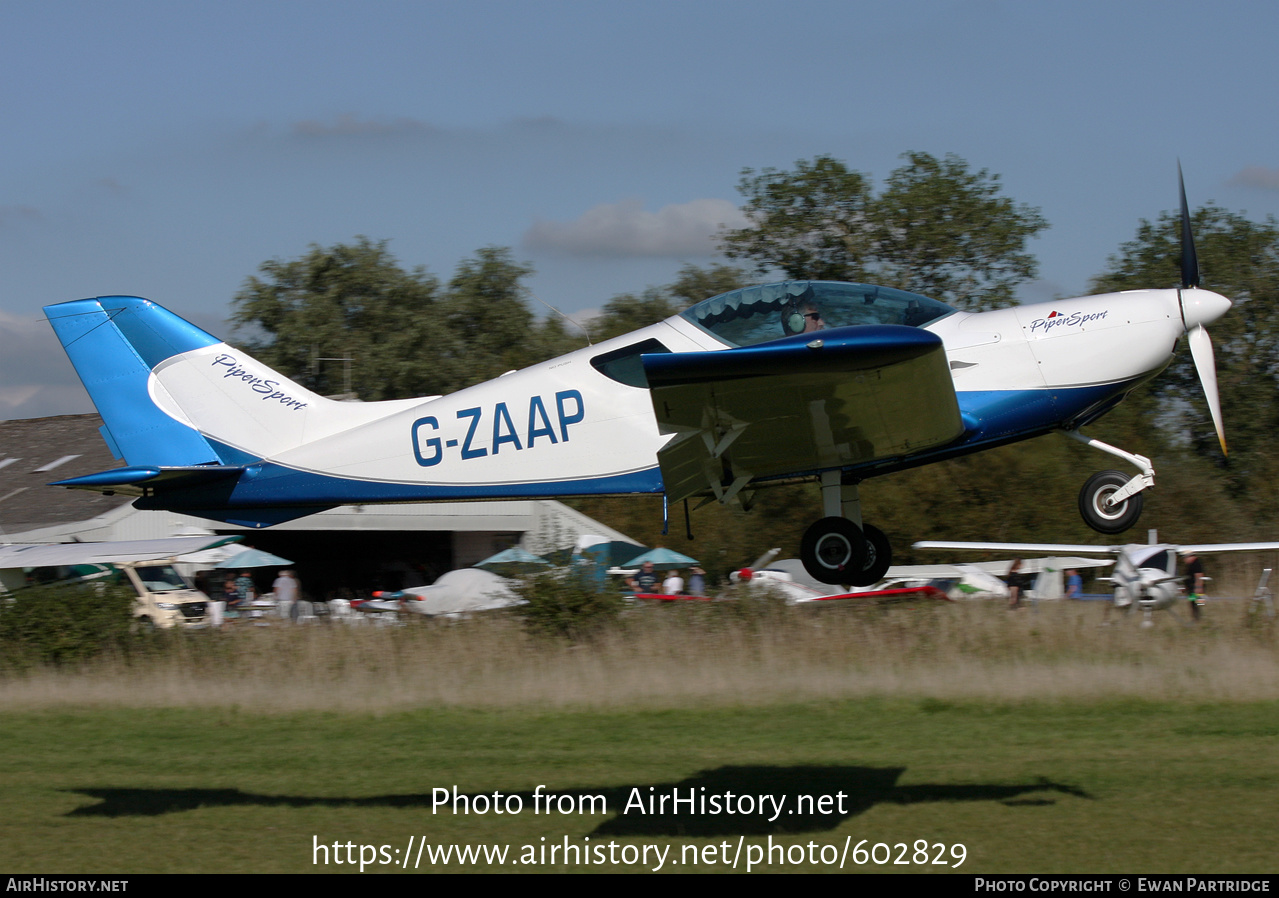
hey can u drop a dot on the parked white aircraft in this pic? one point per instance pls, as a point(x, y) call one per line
point(42, 555)
point(827, 382)
point(1145, 576)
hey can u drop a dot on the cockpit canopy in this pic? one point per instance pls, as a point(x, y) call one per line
point(771, 311)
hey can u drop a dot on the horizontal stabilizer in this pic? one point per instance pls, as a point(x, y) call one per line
point(133, 481)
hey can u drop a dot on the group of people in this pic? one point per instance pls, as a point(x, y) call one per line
point(239, 592)
point(1020, 581)
point(647, 581)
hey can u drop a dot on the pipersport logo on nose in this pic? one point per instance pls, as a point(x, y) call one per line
point(1057, 319)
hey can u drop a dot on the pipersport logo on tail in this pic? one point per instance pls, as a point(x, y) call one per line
point(269, 389)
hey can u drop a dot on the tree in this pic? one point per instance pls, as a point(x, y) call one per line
point(945, 232)
point(349, 301)
point(695, 283)
point(937, 228)
point(405, 336)
point(1238, 258)
point(630, 311)
point(486, 311)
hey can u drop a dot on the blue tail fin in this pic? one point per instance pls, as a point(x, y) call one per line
point(114, 342)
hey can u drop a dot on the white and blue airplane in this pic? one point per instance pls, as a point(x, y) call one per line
point(1145, 575)
point(819, 381)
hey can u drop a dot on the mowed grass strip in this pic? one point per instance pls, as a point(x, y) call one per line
point(1087, 786)
point(1039, 741)
point(748, 653)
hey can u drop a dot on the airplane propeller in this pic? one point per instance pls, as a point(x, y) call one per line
point(765, 560)
point(1189, 258)
point(1206, 366)
point(1195, 308)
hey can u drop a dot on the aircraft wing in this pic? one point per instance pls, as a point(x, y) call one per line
point(1065, 548)
point(799, 405)
point(61, 554)
point(1211, 548)
point(1022, 548)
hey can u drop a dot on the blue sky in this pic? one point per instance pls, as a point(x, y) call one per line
point(167, 149)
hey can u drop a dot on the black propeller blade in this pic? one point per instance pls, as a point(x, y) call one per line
point(1189, 258)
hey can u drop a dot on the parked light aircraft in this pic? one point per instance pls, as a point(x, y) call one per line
point(1145, 576)
point(819, 381)
point(36, 555)
point(953, 581)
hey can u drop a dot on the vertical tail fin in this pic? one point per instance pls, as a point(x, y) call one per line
point(114, 350)
point(171, 394)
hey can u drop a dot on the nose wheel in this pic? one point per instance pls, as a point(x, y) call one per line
point(1099, 510)
point(835, 550)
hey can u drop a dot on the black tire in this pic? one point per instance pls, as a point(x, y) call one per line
point(879, 556)
point(833, 550)
point(1092, 503)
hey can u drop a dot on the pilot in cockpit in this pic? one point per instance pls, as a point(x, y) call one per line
point(802, 317)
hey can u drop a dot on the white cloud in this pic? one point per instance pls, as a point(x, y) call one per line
point(627, 229)
point(1257, 176)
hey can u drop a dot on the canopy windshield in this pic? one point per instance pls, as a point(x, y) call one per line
point(758, 314)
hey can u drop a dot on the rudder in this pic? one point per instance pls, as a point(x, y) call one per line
point(114, 343)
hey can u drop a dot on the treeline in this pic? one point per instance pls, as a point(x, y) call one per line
point(350, 319)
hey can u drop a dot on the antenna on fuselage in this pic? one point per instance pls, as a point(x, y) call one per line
point(578, 324)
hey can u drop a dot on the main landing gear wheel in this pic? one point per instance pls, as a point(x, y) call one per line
point(1100, 516)
point(879, 555)
point(833, 550)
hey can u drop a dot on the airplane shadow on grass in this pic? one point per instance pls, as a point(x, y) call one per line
point(756, 794)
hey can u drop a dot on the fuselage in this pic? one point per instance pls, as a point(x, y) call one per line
point(584, 423)
point(1147, 574)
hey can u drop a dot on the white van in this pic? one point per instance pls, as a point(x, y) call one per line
point(165, 598)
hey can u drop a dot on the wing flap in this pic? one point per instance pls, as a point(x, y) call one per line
point(799, 405)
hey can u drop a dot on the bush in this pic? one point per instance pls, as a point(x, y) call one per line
point(64, 624)
point(567, 603)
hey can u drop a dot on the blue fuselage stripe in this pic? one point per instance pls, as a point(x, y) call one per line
point(992, 417)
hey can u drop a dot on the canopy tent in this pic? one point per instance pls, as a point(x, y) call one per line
point(252, 558)
point(662, 559)
point(513, 562)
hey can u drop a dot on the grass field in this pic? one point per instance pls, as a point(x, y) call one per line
point(1038, 742)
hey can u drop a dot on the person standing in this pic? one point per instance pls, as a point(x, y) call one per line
point(1016, 584)
point(1074, 585)
point(697, 582)
point(285, 588)
point(247, 591)
point(1194, 584)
